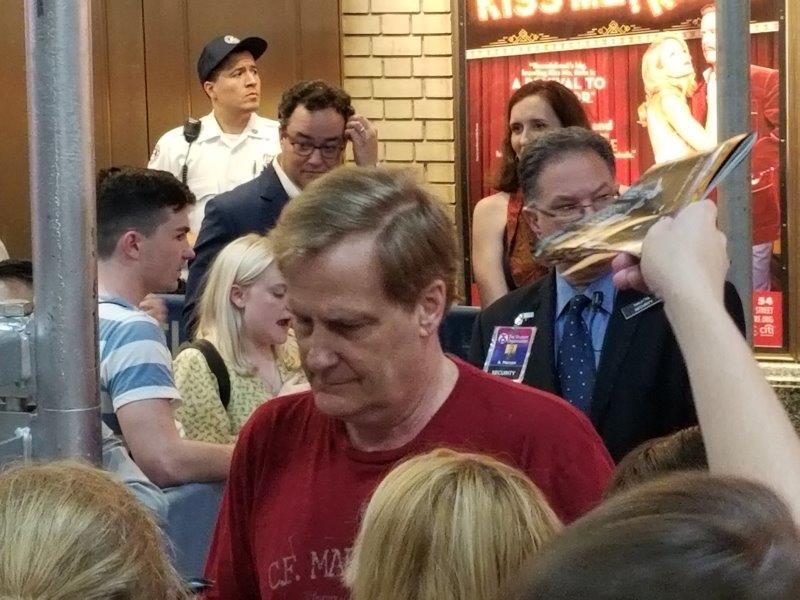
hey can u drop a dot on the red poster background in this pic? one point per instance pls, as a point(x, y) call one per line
point(768, 319)
point(490, 85)
point(566, 19)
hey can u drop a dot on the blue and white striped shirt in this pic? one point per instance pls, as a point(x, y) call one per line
point(135, 363)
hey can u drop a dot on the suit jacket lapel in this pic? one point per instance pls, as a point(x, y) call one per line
point(271, 189)
point(541, 369)
point(618, 338)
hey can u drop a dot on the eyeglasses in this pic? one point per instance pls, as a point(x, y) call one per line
point(572, 210)
point(303, 148)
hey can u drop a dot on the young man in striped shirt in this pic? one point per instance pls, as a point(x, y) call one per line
point(142, 222)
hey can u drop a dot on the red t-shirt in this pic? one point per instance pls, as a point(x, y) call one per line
point(296, 489)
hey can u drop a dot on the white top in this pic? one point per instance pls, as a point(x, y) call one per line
point(218, 162)
point(3, 251)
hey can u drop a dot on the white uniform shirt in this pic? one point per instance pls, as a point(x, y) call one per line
point(218, 162)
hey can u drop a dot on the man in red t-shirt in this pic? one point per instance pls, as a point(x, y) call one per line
point(370, 262)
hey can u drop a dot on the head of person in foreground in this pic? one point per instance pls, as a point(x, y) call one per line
point(689, 535)
point(69, 531)
point(683, 450)
point(567, 174)
point(448, 525)
point(369, 259)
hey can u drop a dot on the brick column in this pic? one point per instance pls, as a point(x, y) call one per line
point(398, 69)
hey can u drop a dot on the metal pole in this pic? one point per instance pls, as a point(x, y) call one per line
point(733, 108)
point(59, 68)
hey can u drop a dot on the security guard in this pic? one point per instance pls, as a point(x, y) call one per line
point(233, 143)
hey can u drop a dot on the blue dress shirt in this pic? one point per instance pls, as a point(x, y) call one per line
point(595, 317)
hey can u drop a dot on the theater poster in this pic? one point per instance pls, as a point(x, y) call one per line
point(645, 77)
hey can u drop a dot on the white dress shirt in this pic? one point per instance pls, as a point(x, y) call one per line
point(291, 188)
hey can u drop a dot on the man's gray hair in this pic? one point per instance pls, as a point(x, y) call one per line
point(555, 145)
point(414, 236)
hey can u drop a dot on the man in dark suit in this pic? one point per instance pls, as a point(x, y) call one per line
point(316, 121)
point(610, 353)
point(765, 158)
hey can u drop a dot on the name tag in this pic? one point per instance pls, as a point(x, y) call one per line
point(509, 352)
point(641, 305)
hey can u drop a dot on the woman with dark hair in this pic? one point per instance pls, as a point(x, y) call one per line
point(501, 243)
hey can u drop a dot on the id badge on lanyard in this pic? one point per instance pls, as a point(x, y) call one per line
point(509, 352)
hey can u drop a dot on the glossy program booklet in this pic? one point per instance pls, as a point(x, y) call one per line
point(662, 191)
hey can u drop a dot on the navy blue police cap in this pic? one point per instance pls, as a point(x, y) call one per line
point(218, 49)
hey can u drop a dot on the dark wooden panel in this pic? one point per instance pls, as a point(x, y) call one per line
point(127, 98)
point(102, 123)
point(169, 68)
point(318, 36)
point(281, 66)
point(14, 206)
point(303, 41)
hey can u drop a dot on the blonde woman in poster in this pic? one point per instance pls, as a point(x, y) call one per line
point(669, 80)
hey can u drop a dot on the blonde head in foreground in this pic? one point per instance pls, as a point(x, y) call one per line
point(447, 526)
point(68, 531)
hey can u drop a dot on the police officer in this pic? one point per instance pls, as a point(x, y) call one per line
point(234, 143)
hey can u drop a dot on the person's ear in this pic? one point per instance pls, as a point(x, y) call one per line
point(431, 307)
point(208, 88)
point(237, 296)
point(531, 216)
point(129, 244)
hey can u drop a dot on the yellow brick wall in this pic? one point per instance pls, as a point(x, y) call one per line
point(397, 66)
